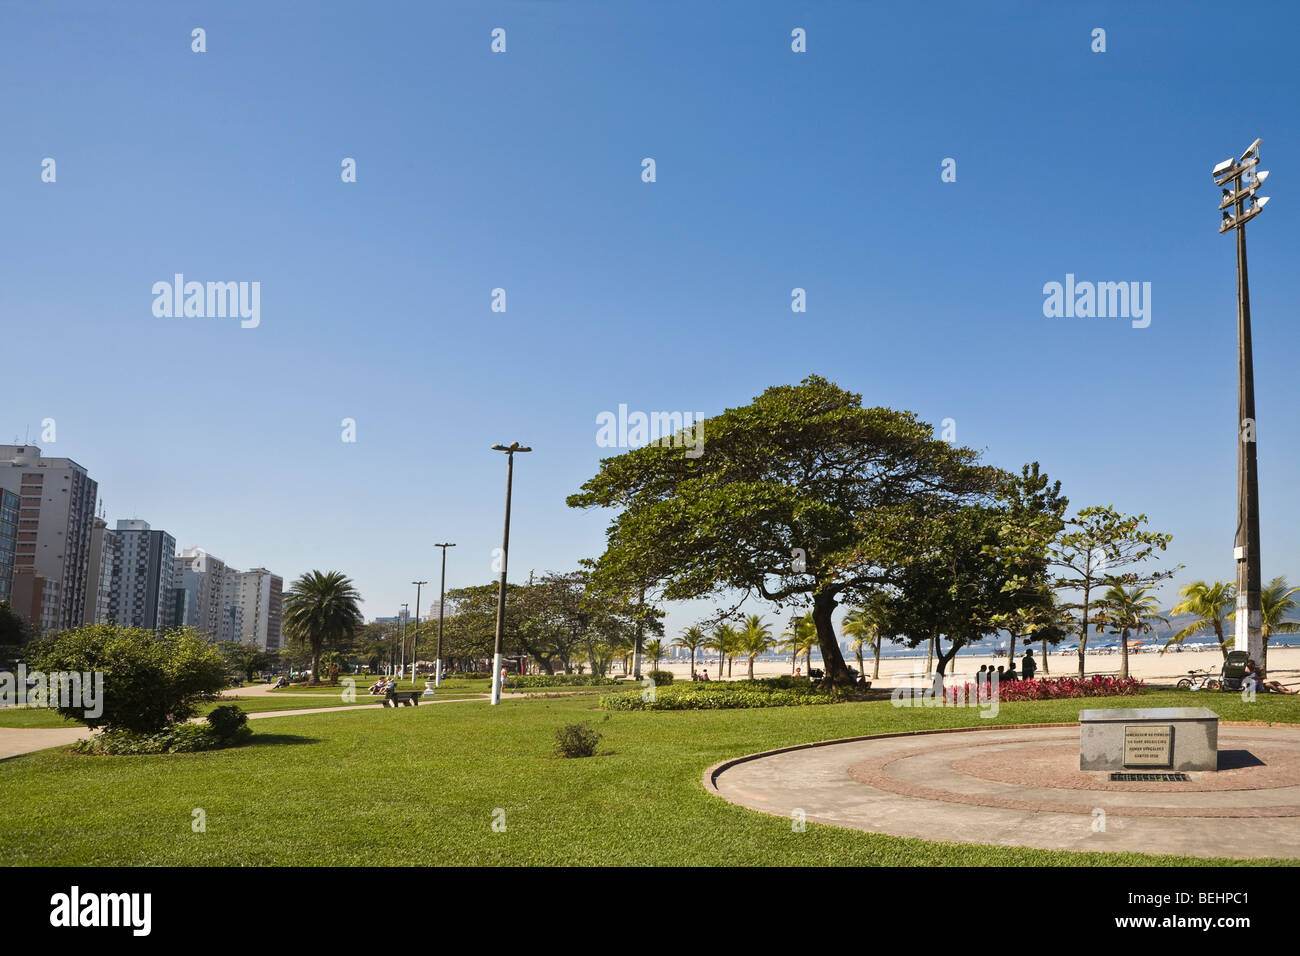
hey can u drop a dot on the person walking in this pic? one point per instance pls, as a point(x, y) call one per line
point(1028, 666)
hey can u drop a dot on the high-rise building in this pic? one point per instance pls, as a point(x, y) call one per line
point(142, 576)
point(232, 623)
point(105, 554)
point(8, 541)
point(56, 509)
point(201, 580)
point(258, 595)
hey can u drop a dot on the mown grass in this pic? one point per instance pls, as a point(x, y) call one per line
point(44, 717)
point(424, 785)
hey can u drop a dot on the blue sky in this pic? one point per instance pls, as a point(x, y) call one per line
point(522, 171)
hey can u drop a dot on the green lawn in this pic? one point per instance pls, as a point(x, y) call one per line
point(44, 717)
point(422, 785)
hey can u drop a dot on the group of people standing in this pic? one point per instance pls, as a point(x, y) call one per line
point(1028, 668)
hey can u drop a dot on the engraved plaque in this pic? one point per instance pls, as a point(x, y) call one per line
point(1148, 745)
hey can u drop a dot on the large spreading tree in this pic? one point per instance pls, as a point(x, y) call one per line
point(802, 498)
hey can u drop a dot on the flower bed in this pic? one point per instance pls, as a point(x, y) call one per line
point(1058, 688)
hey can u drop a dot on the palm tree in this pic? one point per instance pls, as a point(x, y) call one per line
point(1275, 604)
point(321, 608)
point(1211, 603)
point(801, 637)
point(654, 650)
point(1129, 612)
point(861, 627)
point(724, 641)
point(692, 639)
point(755, 638)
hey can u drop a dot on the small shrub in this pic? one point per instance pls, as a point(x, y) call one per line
point(228, 722)
point(661, 678)
point(576, 740)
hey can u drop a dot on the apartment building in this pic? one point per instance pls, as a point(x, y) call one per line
point(56, 510)
point(200, 580)
point(143, 568)
point(258, 596)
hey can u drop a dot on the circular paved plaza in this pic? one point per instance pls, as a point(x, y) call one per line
point(1022, 786)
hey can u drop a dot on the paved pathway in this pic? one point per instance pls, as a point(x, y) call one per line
point(1022, 787)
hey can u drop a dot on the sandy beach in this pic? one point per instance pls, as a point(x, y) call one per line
point(1284, 666)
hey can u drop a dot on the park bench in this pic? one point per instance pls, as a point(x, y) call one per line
point(406, 698)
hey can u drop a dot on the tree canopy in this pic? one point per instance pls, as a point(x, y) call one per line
point(802, 497)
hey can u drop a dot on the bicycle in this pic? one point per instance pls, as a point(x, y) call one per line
point(1199, 680)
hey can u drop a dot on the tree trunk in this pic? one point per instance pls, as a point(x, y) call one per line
point(837, 672)
point(1083, 634)
point(1045, 669)
point(751, 667)
point(1263, 663)
point(1223, 645)
point(1012, 655)
point(929, 656)
point(1123, 653)
point(692, 663)
point(943, 665)
point(875, 670)
point(862, 672)
point(315, 661)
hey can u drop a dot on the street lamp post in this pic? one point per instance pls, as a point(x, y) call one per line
point(505, 552)
point(406, 612)
point(1239, 204)
point(442, 592)
point(415, 634)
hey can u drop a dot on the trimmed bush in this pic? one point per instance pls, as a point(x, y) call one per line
point(576, 740)
point(150, 682)
point(716, 695)
point(559, 680)
point(661, 678)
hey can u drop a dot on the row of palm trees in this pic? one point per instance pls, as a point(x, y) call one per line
point(1131, 612)
point(754, 638)
point(1125, 612)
